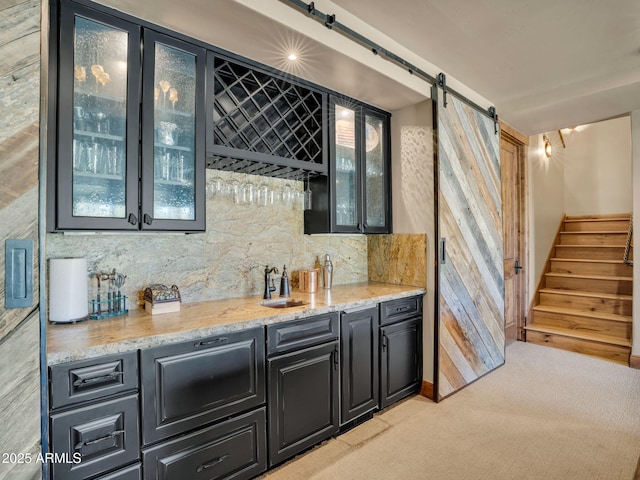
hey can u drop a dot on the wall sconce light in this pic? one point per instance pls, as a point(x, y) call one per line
point(547, 146)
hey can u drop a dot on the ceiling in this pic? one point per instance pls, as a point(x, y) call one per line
point(544, 64)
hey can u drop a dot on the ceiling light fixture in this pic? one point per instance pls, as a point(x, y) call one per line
point(547, 146)
point(293, 57)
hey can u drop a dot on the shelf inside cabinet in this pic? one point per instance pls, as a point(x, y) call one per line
point(98, 135)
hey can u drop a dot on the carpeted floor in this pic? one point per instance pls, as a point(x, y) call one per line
point(546, 414)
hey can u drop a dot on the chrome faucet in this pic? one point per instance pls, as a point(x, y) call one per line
point(268, 282)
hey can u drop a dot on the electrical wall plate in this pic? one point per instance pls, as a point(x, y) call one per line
point(18, 273)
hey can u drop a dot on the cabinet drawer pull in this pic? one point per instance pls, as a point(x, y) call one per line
point(402, 309)
point(102, 378)
point(212, 463)
point(215, 341)
point(86, 443)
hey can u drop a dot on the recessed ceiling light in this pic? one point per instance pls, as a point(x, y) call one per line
point(293, 57)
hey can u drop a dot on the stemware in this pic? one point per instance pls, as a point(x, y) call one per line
point(233, 190)
point(247, 193)
point(263, 197)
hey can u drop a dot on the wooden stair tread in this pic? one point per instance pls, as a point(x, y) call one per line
point(585, 260)
point(602, 218)
point(590, 277)
point(578, 293)
point(594, 232)
point(558, 245)
point(614, 317)
point(582, 335)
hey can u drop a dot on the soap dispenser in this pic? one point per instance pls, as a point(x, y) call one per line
point(285, 288)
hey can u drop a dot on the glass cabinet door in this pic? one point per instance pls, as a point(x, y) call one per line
point(173, 148)
point(346, 168)
point(375, 175)
point(97, 147)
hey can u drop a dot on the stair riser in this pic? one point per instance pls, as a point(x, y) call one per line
point(616, 269)
point(590, 285)
point(603, 305)
point(614, 353)
point(593, 253)
point(570, 238)
point(615, 329)
point(608, 225)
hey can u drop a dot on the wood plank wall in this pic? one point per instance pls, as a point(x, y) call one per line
point(471, 279)
point(19, 149)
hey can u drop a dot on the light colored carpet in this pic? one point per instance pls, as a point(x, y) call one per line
point(546, 414)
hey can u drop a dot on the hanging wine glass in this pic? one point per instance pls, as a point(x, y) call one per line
point(308, 194)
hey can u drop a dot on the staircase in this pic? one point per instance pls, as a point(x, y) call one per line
point(585, 297)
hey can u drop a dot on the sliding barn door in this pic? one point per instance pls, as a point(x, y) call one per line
point(471, 339)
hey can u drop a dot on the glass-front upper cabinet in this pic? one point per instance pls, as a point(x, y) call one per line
point(358, 185)
point(346, 167)
point(97, 155)
point(130, 127)
point(375, 174)
point(173, 155)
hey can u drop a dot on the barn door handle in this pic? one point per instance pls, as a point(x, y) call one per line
point(443, 251)
point(518, 267)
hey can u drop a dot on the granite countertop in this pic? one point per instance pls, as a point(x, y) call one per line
point(139, 329)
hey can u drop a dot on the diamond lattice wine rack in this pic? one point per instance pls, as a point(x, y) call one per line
point(264, 123)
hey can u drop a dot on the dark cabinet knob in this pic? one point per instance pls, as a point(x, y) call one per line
point(148, 219)
point(133, 220)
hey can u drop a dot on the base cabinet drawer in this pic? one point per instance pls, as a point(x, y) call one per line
point(189, 384)
point(96, 438)
point(88, 380)
point(235, 449)
point(134, 472)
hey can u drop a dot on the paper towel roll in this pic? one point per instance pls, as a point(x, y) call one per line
point(68, 289)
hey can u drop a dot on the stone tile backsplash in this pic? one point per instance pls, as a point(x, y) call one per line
point(226, 261)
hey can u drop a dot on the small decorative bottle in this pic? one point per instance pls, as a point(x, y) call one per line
point(327, 272)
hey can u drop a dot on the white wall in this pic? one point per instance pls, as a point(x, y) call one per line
point(546, 202)
point(635, 136)
point(413, 201)
point(597, 176)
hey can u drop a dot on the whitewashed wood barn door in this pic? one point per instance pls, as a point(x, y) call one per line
point(470, 283)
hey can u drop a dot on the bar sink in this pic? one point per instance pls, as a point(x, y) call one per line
point(282, 303)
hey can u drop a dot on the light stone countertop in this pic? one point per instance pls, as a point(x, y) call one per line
point(139, 329)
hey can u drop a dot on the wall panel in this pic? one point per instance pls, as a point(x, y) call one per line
point(19, 141)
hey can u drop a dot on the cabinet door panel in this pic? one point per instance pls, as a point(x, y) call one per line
point(401, 360)
point(303, 400)
point(188, 384)
point(359, 364)
point(97, 158)
point(173, 134)
point(101, 437)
